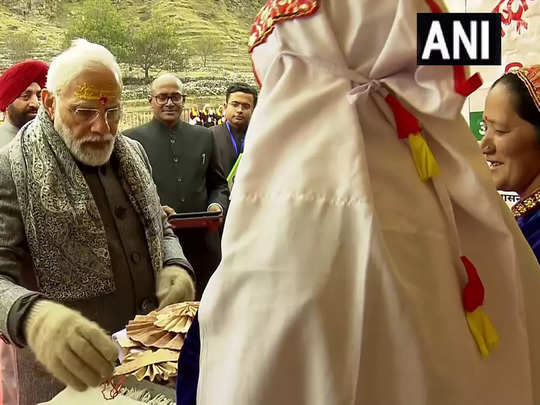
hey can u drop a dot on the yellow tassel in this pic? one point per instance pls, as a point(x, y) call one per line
point(483, 331)
point(425, 162)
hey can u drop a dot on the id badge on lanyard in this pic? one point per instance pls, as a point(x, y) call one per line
point(235, 145)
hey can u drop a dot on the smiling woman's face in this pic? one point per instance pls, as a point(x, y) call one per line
point(511, 145)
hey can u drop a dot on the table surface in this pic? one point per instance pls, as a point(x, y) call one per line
point(93, 396)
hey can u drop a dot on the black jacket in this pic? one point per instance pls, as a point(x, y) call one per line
point(185, 165)
point(224, 146)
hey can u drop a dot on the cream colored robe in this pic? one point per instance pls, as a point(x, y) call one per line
point(340, 281)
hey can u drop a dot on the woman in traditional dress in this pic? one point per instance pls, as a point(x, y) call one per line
point(194, 115)
point(220, 112)
point(512, 144)
point(207, 116)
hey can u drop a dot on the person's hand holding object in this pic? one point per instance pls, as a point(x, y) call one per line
point(74, 350)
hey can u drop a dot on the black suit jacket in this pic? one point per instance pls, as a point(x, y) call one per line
point(227, 154)
point(185, 165)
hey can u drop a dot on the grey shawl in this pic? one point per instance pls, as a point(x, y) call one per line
point(7, 132)
point(63, 226)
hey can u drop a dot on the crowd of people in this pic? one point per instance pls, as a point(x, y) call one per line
point(207, 117)
point(365, 259)
point(84, 228)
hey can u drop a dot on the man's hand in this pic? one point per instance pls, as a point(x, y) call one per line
point(214, 207)
point(174, 284)
point(168, 210)
point(73, 349)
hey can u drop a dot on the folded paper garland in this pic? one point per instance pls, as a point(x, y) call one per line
point(151, 343)
point(156, 365)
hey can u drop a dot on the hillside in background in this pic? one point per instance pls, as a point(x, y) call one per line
point(228, 20)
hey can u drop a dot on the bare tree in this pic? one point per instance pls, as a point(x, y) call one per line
point(207, 46)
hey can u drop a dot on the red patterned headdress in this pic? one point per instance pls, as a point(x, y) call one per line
point(530, 76)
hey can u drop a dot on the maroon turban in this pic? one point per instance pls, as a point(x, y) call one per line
point(18, 77)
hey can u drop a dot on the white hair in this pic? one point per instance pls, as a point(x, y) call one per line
point(80, 56)
point(164, 77)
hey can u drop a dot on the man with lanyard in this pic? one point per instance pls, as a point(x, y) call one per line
point(229, 137)
point(20, 89)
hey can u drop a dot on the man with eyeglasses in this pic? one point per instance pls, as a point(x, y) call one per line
point(241, 99)
point(84, 243)
point(20, 91)
point(187, 171)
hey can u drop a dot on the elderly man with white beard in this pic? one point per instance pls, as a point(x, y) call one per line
point(84, 244)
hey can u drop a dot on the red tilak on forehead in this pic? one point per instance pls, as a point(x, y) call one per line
point(103, 100)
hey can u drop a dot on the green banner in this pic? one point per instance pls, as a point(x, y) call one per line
point(475, 122)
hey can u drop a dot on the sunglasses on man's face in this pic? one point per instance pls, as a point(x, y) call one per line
point(176, 98)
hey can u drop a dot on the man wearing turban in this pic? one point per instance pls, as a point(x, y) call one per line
point(20, 90)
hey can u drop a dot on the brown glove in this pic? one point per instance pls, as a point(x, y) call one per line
point(174, 284)
point(168, 210)
point(73, 349)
